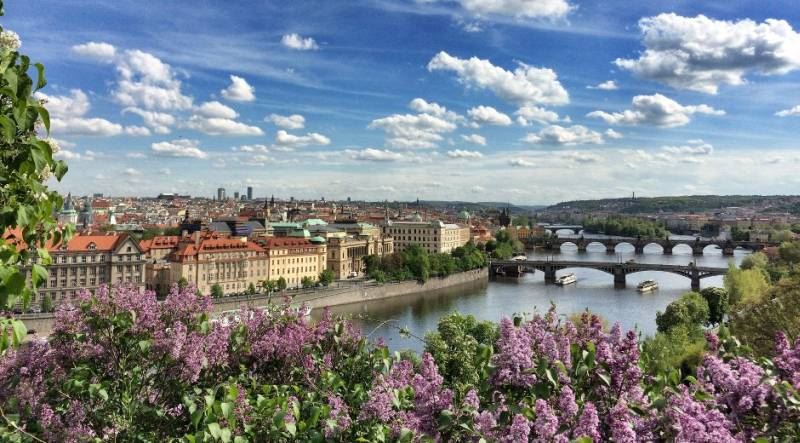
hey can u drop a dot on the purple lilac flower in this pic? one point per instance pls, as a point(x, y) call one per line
point(588, 423)
point(546, 424)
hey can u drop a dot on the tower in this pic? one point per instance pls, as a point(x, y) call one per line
point(249, 192)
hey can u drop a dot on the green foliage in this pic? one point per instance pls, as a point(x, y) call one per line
point(415, 263)
point(789, 252)
point(718, 306)
point(251, 289)
point(47, 303)
point(746, 286)
point(681, 348)
point(691, 310)
point(756, 260)
point(783, 235)
point(150, 233)
point(624, 226)
point(503, 246)
point(462, 348)
point(307, 282)
point(756, 324)
point(183, 283)
point(281, 284)
point(326, 277)
point(217, 291)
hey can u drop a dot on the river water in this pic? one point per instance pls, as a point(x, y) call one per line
point(594, 290)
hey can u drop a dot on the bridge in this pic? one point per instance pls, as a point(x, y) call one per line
point(555, 227)
point(697, 245)
point(618, 270)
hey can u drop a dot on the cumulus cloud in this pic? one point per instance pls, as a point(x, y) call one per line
point(295, 41)
point(408, 131)
point(147, 82)
point(695, 147)
point(130, 172)
point(612, 134)
point(214, 118)
point(178, 148)
point(701, 54)
point(159, 122)
point(460, 153)
point(477, 189)
point(487, 115)
point(522, 9)
point(521, 163)
point(138, 131)
point(528, 114)
point(99, 51)
point(215, 109)
point(655, 110)
point(789, 112)
point(526, 85)
point(475, 139)
point(567, 136)
point(239, 90)
point(252, 148)
point(608, 85)
point(286, 141)
point(68, 116)
point(582, 157)
point(374, 155)
point(434, 109)
point(136, 155)
point(294, 121)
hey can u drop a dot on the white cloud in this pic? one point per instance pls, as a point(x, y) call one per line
point(215, 109)
point(527, 114)
point(99, 51)
point(67, 155)
point(295, 41)
point(434, 109)
point(239, 90)
point(407, 131)
point(789, 112)
point(375, 155)
point(608, 85)
point(147, 82)
point(288, 141)
point(130, 172)
point(526, 85)
point(690, 149)
point(138, 131)
point(294, 121)
point(460, 153)
point(582, 157)
point(85, 126)
point(179, 148)
point(612, 134)
point(135, 155)
point(214, 118)
point(655, 110)
point(477, 189)
point(159, 122)
point(530, 9)
point(475, 139)
point(701, 54)
point(76, 104)
point(488, 115)
point(521, 163)
point(252, 148)
point(568, 136)
point(165, 171)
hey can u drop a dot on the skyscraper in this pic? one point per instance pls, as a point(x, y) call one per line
point(249, 192)
point(236, 195)
point(220, 194)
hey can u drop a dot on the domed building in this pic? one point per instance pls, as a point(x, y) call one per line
point(464, 216)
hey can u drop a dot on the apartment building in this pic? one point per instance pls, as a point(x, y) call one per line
point(434, 236)
point(346, 253)
point(295, 258)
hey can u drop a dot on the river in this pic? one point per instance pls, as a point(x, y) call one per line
point(594, 290)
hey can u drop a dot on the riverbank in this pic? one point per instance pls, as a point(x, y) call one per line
point(341, 293)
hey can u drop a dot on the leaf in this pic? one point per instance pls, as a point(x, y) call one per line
point(41, 81)
point(226, 408)
point(215, 430)
point(38, 274)
point(8, 127)
point(606, 379)
point(45, 115)
point(292, 428)
point(19, 330)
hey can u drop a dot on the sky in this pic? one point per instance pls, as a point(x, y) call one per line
point(524, 101)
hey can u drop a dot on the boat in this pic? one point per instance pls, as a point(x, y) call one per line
point(566, 279)
point(520, 257)
point(647, 286)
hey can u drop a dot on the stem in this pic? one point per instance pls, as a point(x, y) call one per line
point(17, 428)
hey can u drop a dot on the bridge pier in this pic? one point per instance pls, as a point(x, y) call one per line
point(619, 277)
point(549, 274)
point(639, 248)
point(697, 250)
point(695, 284)
point(611, 248)
point(727, 251)
point(582, 246)
point(667, 249)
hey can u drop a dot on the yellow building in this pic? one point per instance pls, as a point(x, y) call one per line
point(346, 253)
point(294, 258)
point(435, 236)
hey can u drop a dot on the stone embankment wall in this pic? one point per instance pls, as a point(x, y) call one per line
point(341, 293)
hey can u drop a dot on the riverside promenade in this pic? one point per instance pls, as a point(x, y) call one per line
point(339, 293)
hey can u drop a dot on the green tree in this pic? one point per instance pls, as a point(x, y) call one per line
point(307, 282)
point(251, 289)
point(183, 283)
point(789, 252)
point(783, 235)
point(680, 348)
point(326, 277)
point(47, 303)
point(745, 285)
point(756, 260)
point(281, 284)
point(717, 299)
point(417, 262)
point(217, 291)
point(756, 324)
point(691, 310)
point(27, 205)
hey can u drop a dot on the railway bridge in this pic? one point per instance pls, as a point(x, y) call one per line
point(618, 270)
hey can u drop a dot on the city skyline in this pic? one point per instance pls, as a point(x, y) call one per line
point(529, 101)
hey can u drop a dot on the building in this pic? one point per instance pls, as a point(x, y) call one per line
point(236, 195)
point(68, 214)
point(220, 194)
point(434, 236)
point(346, 253)
point(249, 193)
point(295, 258)
point(90, 261)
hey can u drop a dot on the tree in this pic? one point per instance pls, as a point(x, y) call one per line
point(418, 262)
point(47, 303)
point(756, 324)
point(789, 252)
point(756, 260)
point(217, 291)
point(717, 299)
point(326, 277)
point(691, 310)
point(281, 284)
point(307, 282)
point(746, 285)
point(251, 289)
point(183, 283)
point(783, 235)
point(26, 163)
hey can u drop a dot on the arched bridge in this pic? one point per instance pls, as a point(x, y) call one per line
point(697, 245)
point(618, 270)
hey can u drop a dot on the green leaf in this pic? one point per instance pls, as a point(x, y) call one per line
point(41, 81)
point(8, 127)
point(292, 428)
point(226, 408)
point(215, 430)
point(605, 378)
point(45, 115)
point(225, 435)
point(38, 274)
point(19, 330)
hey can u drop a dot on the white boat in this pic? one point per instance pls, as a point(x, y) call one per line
point(520, 257)
point(566, 279)
point(647, 286)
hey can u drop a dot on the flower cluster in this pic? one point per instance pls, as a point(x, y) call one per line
point(9, 40)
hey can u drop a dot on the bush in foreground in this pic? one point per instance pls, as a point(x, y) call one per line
point(121, 366)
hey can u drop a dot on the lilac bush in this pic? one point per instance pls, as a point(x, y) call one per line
point(122, 366)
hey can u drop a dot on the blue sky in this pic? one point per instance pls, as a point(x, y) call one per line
point(528, 101)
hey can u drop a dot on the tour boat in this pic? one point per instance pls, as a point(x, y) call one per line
point(520, 257)
point(566, 279)
point(647, 286)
